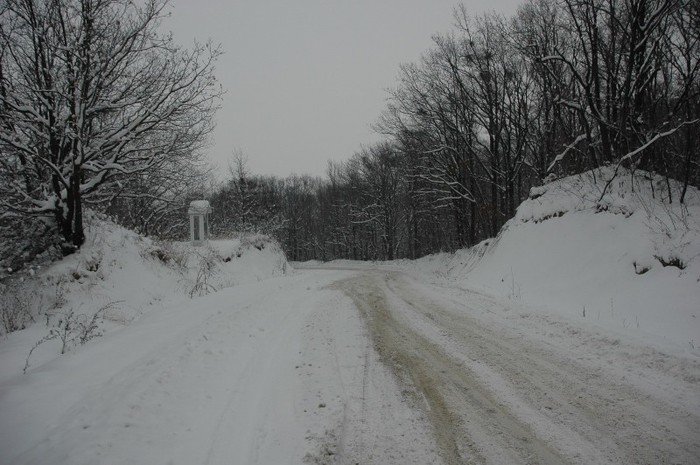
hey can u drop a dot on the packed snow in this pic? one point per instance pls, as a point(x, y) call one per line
point(572, 337)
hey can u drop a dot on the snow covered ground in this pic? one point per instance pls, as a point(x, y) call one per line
point(264, 373)
point(228, 355)
point(260, 365)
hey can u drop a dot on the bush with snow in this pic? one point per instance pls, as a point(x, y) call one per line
point(26, 243)
point(15, 308)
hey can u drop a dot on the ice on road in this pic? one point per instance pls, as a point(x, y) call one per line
point(352, 366)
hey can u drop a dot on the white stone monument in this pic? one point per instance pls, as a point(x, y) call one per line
point(199, 221)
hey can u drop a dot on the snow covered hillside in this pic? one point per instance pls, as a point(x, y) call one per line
point(114, 279)
point(609, 252)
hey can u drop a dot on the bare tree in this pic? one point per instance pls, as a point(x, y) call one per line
point(616, 64)
point(382, 194)
point(92, 94)
point(682, 76)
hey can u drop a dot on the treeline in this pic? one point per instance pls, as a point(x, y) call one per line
point(99, 110)
point(494, 107)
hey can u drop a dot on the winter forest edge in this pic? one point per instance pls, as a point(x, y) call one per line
point(102, 113)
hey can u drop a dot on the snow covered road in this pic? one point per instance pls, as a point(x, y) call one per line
point(353, 366)
point(280, 371)
point(498, 392)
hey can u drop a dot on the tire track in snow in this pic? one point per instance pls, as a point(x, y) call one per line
point(469, 424)
point(590, 417)
point(367, 420)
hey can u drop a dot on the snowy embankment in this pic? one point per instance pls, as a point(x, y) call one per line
point(616, 255)
point(114, 279)
point(126, 312)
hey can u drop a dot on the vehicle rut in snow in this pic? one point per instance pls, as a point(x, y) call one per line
point(492, 398)
point(453, 397)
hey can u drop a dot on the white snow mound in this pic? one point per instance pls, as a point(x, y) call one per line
point(116, 277)
point(619, 251)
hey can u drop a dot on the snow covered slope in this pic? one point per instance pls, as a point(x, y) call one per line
point(609, 251)
point(118, 276)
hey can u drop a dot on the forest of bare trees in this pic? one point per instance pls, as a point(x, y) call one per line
point(496, 105)
point(499, 105)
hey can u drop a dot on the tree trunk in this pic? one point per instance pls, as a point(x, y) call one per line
point(69, 218)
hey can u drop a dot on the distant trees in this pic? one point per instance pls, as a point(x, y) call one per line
point(96, 103)
point(498, 105)
point(380, 170)
point(302, 229)
point(245, 203)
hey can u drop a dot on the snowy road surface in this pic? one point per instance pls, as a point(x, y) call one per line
point(353, 367)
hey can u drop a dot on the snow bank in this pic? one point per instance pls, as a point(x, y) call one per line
point(119, 275)
point(611, 250)
point(119, 266)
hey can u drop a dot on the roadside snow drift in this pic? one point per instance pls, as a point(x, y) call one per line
point(114, 279)
point(611, 249)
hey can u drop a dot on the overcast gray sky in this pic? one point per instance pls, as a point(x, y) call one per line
point(306, 79)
